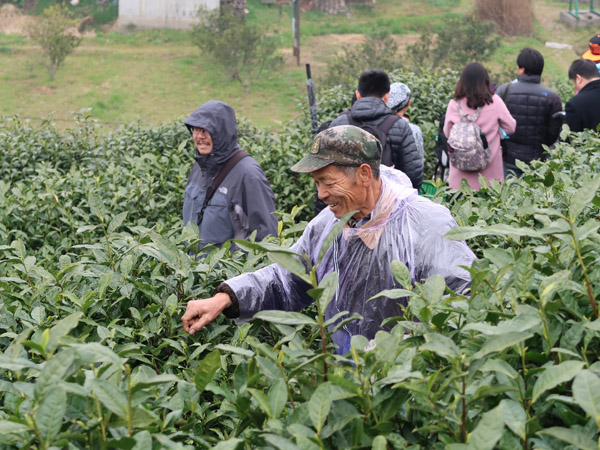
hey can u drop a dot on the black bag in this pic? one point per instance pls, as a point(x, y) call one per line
point(441, 151)
point(380, 132)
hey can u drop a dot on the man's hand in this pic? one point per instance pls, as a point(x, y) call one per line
point(201, 312)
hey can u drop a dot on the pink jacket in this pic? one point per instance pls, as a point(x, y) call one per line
point(492, 117)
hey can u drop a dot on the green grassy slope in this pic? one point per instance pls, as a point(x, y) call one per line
point(156, 76)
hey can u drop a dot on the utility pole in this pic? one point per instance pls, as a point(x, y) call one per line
point(296, 29)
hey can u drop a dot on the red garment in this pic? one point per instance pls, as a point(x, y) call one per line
point(491, 118)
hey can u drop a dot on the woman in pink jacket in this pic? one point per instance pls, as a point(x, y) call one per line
point(473, 91)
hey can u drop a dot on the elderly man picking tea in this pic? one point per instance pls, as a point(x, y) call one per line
point(391, 223)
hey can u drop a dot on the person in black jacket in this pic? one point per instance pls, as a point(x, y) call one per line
point(370, 109)
point(533, 105)
point(582, 111)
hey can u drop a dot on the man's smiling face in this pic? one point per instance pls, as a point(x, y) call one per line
point(341, 192)
point(202, 140)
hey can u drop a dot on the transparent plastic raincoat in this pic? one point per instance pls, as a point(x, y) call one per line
point(403, 227)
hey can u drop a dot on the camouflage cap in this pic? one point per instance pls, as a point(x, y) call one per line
point(344, 145)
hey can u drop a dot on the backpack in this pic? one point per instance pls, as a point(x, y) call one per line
point(467, 146)
point(441, 151)
point(380, 132)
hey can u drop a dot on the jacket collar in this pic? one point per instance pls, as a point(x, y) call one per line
point(591, 85)
point(369, 108)
point(524, 78)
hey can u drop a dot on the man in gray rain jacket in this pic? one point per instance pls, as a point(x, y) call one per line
point(244, 201)
point(392, 223)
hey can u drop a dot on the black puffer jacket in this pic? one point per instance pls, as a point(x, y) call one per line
point(405, 155)
point(532, 105)
point(583, 110)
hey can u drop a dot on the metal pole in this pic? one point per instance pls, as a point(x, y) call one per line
point(296, 29)
point(310, 88)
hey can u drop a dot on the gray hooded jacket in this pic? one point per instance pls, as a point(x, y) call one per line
point(405, 155)
point(244, 201)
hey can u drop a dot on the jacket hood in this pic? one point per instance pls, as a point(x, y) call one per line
point(369, 108)
point(218, 118)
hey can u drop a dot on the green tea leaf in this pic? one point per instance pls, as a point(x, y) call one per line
point(515, 417)
point(16, 364)
point(207, 369)
point(61, 329)
point(237, 350)
point(464, 233)
point(440, 345)
point(97, 206)
point(50, 413)
point(10, 427)
point(278, 397)
point(586, 392)
point(285, 317)
point(379, 443)
point(229, 444)
point(583, 197)
point(488, 431)
point(401, 274)
point(111, 397)
point(501, 366)
point(143, 440)
point(501, 342)
point(116, 222)
point(571, 436)
point(157, 380)
point(291, 263)
point(319, 406)
point(280, 442)
point(555, 375)
point(329, 285)
point(433, 289)
point(262, 400)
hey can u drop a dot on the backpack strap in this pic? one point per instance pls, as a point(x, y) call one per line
point(388, 123)
point(351, 120)
point(384, 126)
point(464, 117)
point(230, 164)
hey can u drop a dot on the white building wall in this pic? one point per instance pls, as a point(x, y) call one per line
point(178, 14)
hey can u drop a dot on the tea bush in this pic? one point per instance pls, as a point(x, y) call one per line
point(95, 274)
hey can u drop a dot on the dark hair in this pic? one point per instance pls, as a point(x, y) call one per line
point(373, 83)
point(584, 67)
point(474, 84)
point(531, 60)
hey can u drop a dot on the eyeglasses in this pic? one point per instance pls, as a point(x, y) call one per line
point(198, 130)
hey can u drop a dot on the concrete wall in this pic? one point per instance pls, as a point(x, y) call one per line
point(178, 14)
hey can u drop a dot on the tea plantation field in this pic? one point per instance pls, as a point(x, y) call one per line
point(95, 274)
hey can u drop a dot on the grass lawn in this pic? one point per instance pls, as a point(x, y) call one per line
point(157, 76)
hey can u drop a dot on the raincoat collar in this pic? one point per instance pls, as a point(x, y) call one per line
point(387, 208)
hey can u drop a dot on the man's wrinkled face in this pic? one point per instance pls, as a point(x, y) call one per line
point(340, 192)
point(202, 140)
